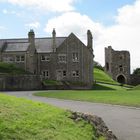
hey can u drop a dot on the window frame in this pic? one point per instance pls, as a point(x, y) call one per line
point(62, 58)
point(75, 57)
point(45, 74)
point(20, 58)
point(75, 73)
point(45, 58)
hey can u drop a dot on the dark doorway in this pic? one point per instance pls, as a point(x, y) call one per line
point(121, 79)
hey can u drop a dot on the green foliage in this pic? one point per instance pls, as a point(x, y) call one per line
point(52, 82)
point(22, 119)
point(101, 76)
point(98, 66)
point(120, 96)
point(136, 71)
point(10, 69)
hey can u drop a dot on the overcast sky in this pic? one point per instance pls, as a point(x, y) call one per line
point(112, 22)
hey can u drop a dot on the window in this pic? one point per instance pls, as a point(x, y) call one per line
point(17, 58)
point(8, 59)
point(62, 58)
point(45, 58)
point(64, 73)
point(120, 68)
point(121, 57)
point(107, 66)
point(20, 58)
point(45, 73)
point(75, 57)
point(75, 73)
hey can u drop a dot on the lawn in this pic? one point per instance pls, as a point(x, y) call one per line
point(117, 97)
point(22, 119)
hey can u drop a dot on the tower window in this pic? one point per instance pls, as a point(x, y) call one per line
point(64, 73)
point(120, 68)
point(107, 66)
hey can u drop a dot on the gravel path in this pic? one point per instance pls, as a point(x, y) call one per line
point(123, 121)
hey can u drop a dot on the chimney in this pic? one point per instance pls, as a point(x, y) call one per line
point(54, 40)
point(31, 37)
point(89, 39)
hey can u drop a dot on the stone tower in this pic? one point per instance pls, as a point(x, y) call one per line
point(117, 65)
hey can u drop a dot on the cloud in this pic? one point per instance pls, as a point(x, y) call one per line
point(4, 11)
point(123, 35)
point(73, 22)
point(47, 5)
point(12, 12)
point(33, 25)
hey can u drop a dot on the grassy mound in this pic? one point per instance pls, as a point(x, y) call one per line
point(136, 87)
point(22, 119)
point(10, 69)
point(101, 76)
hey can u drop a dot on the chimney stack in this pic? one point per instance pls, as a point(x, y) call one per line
point(89, 39)
point(54, 40)
point(31, 37)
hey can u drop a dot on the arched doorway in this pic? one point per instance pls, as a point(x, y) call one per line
point(121, 79)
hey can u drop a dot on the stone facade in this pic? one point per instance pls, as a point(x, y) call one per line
point(55, 58)
point(117, 65)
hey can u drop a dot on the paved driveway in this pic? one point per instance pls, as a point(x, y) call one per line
point(123, 121)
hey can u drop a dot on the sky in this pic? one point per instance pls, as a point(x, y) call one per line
point(113, 23)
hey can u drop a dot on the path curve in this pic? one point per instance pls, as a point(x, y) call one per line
point(123, 121)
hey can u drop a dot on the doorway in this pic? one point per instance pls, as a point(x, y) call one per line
point(59, 76)
point(121, 79)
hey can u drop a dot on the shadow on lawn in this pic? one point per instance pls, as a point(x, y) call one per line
point(101, 87)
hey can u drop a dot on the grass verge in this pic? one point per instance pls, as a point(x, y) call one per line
point(22, 119)
point(117, 97)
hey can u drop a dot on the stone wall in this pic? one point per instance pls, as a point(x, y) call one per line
point(99, 127)
point(20, 82)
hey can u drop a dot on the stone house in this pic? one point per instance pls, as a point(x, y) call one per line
point(55, 58)
point(117, 65)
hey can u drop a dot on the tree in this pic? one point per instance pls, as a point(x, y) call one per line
point(98, 65)
point(136, 71)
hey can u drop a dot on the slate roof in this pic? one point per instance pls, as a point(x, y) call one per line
point(43, 45)
point(17, 46)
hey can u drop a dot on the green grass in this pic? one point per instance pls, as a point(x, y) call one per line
point(117, 97)
point(22, 119)
point(10, 69)
point(101, 76)
point(136, 87)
